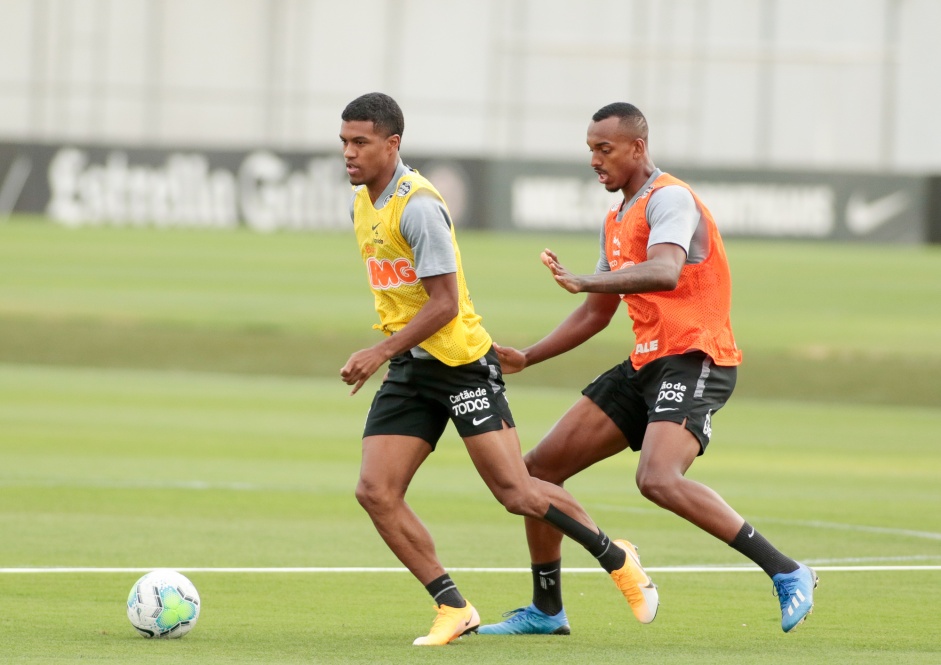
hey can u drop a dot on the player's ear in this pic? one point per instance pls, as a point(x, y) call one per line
point(640, 147)
point(395, 141)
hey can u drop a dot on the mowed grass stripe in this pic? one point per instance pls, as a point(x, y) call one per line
point(119, 453)
point(816, 321)
point(300, 618)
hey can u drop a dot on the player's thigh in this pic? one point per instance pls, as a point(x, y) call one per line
point(583, 436)
point(473, 394)
point(389, 463)
point(498, 459)
point(400, 407)
point(687, 389)
point(669, 450)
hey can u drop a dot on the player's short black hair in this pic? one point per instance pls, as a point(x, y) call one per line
point(382, 110)
point(629, 114)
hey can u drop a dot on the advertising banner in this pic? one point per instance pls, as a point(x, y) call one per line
point(755, 204)
point(260, 189)
point(266, 191)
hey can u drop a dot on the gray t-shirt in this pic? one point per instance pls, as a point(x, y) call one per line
point(426, 227)
point(673, 217)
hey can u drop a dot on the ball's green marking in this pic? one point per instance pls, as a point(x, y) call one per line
point(176, 609)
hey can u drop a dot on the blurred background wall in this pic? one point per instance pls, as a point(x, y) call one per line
point(805, 84)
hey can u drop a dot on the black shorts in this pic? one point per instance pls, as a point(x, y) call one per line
point(419, 396)
point(688, 387)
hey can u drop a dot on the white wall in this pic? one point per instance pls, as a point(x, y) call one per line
point(767, 83)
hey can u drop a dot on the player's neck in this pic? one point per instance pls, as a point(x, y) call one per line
point(379, 184)
point(638, 180)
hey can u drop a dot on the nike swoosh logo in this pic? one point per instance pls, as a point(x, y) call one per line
point(649, 584)
point(661, 409)
point(862, 217)
point(548, 572)
point(752, 532)
point(477, 422)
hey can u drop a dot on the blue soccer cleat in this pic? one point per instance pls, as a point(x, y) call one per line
point(795, 591)
point(529, 621)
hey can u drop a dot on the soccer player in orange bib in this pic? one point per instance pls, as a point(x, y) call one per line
point(662, 255)
point(441, 367)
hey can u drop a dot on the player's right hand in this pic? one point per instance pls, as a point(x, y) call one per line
point(511, 360)
point(549, 258)
point(361, 365)
point(563, 277)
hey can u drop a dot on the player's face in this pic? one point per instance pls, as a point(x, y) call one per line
point(368, 154)
point(616, 154)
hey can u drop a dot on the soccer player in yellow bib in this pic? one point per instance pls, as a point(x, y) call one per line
point(441, 367)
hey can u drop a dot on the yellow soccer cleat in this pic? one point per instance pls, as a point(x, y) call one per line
point(636, 585)
point(450, 624)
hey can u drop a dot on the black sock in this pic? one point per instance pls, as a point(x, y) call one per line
point(753, 545)
point(610, 556)
point(547, 587)
point(444, 591)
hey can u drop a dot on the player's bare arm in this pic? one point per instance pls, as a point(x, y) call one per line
point(588, 319)
point(441, 308)
point(660, 272)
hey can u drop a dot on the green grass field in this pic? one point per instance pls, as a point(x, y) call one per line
point(170, 399)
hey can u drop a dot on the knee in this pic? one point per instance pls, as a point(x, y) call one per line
point(364, 495)
point(520, 501)
point(372, 498)
point(657, 487)
point(537, 468)
point(513, 502)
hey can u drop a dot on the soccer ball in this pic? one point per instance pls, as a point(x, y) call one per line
point(163, 603)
